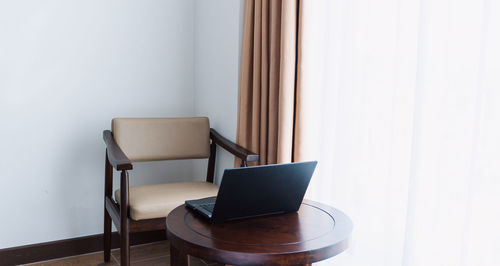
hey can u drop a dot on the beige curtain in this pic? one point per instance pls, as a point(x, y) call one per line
point(267, 103)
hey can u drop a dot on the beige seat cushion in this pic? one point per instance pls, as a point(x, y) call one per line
point(156, 201)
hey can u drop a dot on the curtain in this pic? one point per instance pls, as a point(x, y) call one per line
point(399, 101)
point(267, 81)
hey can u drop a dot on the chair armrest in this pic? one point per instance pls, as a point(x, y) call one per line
point(116, 157)
point(232, 147)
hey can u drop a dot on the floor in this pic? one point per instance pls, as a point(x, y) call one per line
point(157, 253)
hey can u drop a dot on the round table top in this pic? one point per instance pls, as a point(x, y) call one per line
point(316, 232)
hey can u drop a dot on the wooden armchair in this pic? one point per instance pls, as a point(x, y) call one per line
point(144, 208)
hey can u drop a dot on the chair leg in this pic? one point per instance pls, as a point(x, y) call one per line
point(125, 249)
point(108, 190)
point(124, 226)
point(107, 236)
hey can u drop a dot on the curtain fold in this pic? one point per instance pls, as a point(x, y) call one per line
point(267, 81)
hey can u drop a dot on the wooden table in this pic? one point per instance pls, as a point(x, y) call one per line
point(316, 232)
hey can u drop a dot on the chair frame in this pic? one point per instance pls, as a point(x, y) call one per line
point(119, 213)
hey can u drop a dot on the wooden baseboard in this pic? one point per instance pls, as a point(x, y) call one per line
point(71, 247)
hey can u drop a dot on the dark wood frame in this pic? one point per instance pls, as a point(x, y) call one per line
point(119, 213)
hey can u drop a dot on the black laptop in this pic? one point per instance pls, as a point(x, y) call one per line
point(256, 191)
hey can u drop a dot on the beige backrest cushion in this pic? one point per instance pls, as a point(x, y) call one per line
point(154, 139)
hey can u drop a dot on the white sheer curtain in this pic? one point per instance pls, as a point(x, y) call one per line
point(400, 104)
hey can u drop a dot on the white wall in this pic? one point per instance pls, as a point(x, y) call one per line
point(67, 68)
point(218, 31)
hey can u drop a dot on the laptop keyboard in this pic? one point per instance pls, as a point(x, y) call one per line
point(207, 206)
